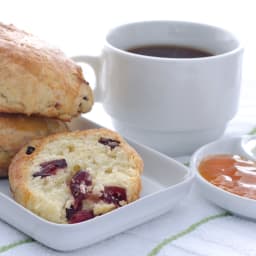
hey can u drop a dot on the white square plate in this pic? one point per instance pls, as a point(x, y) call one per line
point(165, 182)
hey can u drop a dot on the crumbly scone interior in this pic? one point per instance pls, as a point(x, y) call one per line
point(106, 166)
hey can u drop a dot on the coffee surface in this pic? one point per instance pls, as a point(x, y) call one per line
point(170, 51)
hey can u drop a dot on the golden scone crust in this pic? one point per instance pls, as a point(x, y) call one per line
point(38, 79)
point(17, 130)
point(71, 177)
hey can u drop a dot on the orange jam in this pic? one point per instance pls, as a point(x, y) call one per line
point(231, 173)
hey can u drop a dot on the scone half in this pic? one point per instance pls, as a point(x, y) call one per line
point(72, 177)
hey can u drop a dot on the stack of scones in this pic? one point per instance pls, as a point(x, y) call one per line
point(62, 176)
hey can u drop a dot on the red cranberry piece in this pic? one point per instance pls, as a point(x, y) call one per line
point(78, 203)
point(80, 216)
point(59, 163)
point(79, 183)
point(79, 188)
point(109, 142)
point(50, 168)
point(114, 194)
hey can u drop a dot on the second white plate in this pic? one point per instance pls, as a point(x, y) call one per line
point(236, 204)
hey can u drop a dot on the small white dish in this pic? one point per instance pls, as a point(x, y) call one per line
point(236, 204)
point(248, 144)
point(165, 182)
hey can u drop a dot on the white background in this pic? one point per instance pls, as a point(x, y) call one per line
point(80, 26)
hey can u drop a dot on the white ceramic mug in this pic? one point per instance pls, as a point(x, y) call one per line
point(171, 104)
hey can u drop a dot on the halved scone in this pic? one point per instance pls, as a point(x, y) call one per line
point(72, 177)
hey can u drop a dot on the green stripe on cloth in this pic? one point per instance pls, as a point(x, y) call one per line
point(253, 131)
point(191, 228)
point(13, 245)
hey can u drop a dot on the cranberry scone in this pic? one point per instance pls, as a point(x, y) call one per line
point(72, 177)
point(17, 130)
point(38, 79)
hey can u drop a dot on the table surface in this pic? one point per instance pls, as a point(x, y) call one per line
point(195, 227)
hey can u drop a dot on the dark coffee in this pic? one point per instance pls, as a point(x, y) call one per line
point(170, 51)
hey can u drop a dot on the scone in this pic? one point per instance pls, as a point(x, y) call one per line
point(17, 130)
point(72, 177)
point(38, 79)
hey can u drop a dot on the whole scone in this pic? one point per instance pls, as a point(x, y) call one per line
point(38, 79)
point(17, 130)
point(73, 177)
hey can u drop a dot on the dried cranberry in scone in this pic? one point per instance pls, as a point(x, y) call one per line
point(80, 186)
point(109, 142)
point(115, 195)
point(80, 216)
point(50, 168)
point(74, 177)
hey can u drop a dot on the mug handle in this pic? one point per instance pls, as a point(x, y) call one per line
point(95, 63)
